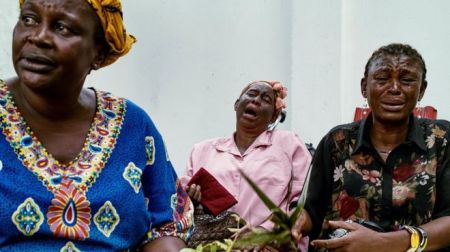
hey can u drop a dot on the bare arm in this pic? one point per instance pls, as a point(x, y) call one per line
point(164, 244)
point(438, 233)
point(360, 237)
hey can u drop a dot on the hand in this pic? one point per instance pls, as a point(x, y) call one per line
point(194, 192)
point(359, 238)
point(299, 225)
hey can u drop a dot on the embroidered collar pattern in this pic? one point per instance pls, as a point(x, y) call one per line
point(86, 167)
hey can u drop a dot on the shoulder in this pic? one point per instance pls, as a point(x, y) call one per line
point(212, 142)
point(135, 118)
point(289, 142)
point(343, 131)
point(136, 110)
point(438, 128)
point(432, 123)
point(131, 109)
point(348, 127)
point(220, 144)
point(284, 136)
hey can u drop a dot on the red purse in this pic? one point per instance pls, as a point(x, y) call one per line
point(428, 112)
point(215, 197)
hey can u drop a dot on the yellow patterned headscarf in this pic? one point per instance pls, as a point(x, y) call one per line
point(110, 15)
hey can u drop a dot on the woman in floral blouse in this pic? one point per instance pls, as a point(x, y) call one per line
point(392, 169)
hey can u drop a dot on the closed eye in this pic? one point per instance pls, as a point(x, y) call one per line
point(252, 93)
point(267, 98)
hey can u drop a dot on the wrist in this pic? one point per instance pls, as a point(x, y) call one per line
point(396, 241)
point(419, 238)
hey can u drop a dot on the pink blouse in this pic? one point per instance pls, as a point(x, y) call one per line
point(272, 161)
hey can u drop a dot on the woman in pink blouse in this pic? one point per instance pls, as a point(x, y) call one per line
point(276, 160)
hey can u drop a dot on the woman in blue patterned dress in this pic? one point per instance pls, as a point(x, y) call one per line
point(80, 169)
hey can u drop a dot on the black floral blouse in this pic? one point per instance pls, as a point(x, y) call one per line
point(349, 180)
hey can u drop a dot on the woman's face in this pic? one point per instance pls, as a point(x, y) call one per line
point(54, 43)
point(393, 86)
point(256, 106)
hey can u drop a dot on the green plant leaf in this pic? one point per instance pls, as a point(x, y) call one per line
point(280, 236)
point(280, 218)
point(255, 239)
point(189, 250)
point(265, 238)
point(301, 200)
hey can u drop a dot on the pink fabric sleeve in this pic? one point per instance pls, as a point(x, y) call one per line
point(189, 172)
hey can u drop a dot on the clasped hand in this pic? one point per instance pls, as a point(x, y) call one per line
point(359, 238)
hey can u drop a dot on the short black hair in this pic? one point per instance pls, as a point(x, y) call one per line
point(397, 49)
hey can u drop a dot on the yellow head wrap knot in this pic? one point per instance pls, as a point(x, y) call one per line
point(110, 15)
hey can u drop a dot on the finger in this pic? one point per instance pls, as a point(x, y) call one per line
point(349, 225)
point(189, 191)
point(329, 244)
point(192, 190)
point(295, 230)
point(197, 194)
point(296, 234)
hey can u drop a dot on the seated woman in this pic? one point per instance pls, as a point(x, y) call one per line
point(80, 169)
point(389, 172)
point(276, 160)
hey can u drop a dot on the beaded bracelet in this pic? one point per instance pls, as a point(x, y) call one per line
point(415, 238)
point(423, 239)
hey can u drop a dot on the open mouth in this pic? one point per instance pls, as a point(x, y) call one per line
point(250, 113)
point(37, 63)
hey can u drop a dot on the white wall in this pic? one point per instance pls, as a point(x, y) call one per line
point(193, 57)
point(8, 18)
point(316, 68)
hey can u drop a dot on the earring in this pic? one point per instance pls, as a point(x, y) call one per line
point(365, 111)
point(418, 110)
point(95, 66)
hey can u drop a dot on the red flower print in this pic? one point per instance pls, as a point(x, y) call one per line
point(403, 172)
point(346, 205)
